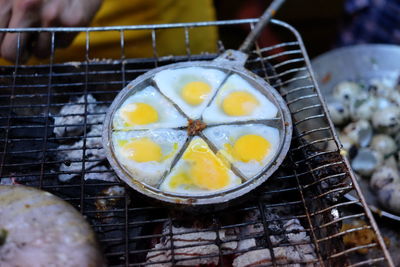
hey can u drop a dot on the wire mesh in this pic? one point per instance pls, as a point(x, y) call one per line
point(50, 116)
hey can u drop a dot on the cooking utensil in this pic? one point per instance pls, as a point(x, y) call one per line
point(230, 62)
point(358, 63)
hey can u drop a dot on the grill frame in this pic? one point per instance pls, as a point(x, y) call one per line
point(303, 165)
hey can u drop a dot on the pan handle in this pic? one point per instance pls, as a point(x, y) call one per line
point(232, 58)
point(239, 57)
point(264, 19)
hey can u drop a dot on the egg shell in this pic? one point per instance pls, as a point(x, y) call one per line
point(171, 81)
point(168, 115)
point(215, 114)
point(339, 112)
point(183, 165)
point(228, 134)
point(347, 92)
point(170, 141)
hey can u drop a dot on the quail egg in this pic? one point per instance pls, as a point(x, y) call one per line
point(387, 120)
point(381, 87)
point(147, 109)
point(382, 103)
point(199, 171)
point(370, 133)
point(148, 154)
point(389, 197)
point(347, 92)
point(346, 141)
point(248, 147)
point(385, 174)
point(339, 112)
point(190, 88)
point(360, 132)
point(366, 161)
point(383, 144)
point(363, 109)
point(238, 100)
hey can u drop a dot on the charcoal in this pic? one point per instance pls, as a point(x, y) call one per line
point(28, 134)
point(71, 119)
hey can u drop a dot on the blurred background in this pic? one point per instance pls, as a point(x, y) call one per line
point(323, 25)
point(319, 22)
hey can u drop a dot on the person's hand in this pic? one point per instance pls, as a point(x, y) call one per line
point(41, 13)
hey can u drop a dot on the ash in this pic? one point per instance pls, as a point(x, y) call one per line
point(70, 122)
point(194, 246)
point(71, 118)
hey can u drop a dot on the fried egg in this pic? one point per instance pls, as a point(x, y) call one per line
point(248, 147)
point(147, 155)
point(238, 100)
point(190, 88)
point(199, 171)
point(147, 109)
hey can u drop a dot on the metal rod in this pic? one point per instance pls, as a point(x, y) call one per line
point(134, 27)
point(264, 19)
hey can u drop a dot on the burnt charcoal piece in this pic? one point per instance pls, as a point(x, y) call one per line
point(323, 165)
point(25, 140)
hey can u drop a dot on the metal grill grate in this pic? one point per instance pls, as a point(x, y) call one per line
point(307, 191)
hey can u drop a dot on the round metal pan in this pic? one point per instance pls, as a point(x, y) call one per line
point(231, 62)
point(358, 63)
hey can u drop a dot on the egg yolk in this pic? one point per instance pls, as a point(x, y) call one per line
point(206, 170)
point(194, 93)
point(239, 103)
point(139, 114)
point(249, 147)
point(142, 150)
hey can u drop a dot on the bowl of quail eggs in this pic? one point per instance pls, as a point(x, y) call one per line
point(197, 133)
point(361, 87)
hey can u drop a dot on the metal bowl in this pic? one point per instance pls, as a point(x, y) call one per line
point(230, 62)
point(358, 63)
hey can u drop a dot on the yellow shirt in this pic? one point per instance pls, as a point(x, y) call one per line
point(138, 43)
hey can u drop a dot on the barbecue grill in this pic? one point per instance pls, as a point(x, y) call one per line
point(307, 190)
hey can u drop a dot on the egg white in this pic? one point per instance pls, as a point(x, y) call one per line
point(170, 141)
point(215, 114)
point(221, 135)
point(171, 82)
point(168, 115)
point(183, 165)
